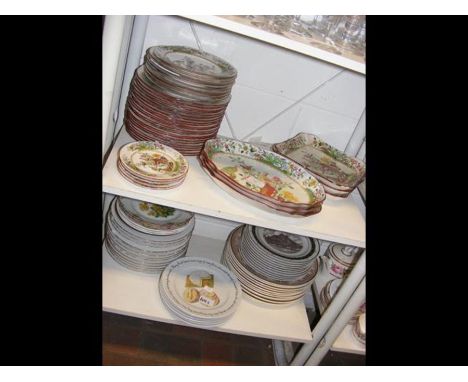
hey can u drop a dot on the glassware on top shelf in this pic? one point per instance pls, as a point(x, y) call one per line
point(350, 34)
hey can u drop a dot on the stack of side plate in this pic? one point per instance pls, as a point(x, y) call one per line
point(141, 251)
point(256, 281)
point(152, 165)
point(200, 292)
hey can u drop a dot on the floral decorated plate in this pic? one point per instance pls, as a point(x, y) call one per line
point(154, 217)
point(265, 173)
point(324, 160)
point(153, 160)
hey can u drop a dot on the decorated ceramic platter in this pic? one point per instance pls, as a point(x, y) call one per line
point(264, 172)
point(153, 160)
point(200, 288)
point(154, 217)
point(255, 199)
point(323, 159)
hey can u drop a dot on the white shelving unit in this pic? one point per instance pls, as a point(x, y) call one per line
point(281, 41)
point(339, 221)
point(136, 294)
point(345, 341)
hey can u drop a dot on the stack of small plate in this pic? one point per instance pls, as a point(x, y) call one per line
point(152, 165)
point(134, 247)
point(262, 178)
point(338, 173)
point(266, 276)
point(200, 292)
point(178, 97)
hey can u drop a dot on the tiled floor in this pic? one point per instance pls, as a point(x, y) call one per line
point(132, 341)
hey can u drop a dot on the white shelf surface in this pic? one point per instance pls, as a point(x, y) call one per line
point(345, 342)
point(284, 42)
point(341, 220)
point(137, 295)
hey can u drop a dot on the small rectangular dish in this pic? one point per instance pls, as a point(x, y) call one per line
point(338, 173)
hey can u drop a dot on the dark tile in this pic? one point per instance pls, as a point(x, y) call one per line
point(123, 339)
point(116, 359)
point(216, 353)
point(333, 358)
point(253, 356)
point(122, 349)
point(170, 349)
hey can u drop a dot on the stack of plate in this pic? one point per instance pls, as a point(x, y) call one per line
point(359, 329)
point(199, 291)
point(152, 165)
point(265, 275)
point(339, 173)
point(131, 240)
point(262, 178)
point(178, 97)
point(328, 291)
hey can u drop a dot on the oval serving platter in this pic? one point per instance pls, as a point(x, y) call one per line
point(264, 173)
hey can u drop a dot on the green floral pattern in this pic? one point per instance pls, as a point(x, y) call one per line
point(161, 159)
point(284, 165)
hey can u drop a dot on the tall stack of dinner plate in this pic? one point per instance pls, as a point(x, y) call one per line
point(273, 267)
point(178, 97)
point(146, 237)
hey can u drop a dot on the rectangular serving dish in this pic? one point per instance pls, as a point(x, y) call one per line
point(332, 167)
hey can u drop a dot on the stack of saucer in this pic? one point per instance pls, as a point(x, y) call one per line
point(152, 165)
point(260, 273)
point(179, 97)
point(133, 245)
point(199, 291)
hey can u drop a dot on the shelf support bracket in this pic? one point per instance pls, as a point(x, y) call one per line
point(332, 312)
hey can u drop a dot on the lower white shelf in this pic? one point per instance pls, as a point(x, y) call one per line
point(345, 342)
point(136, 294)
